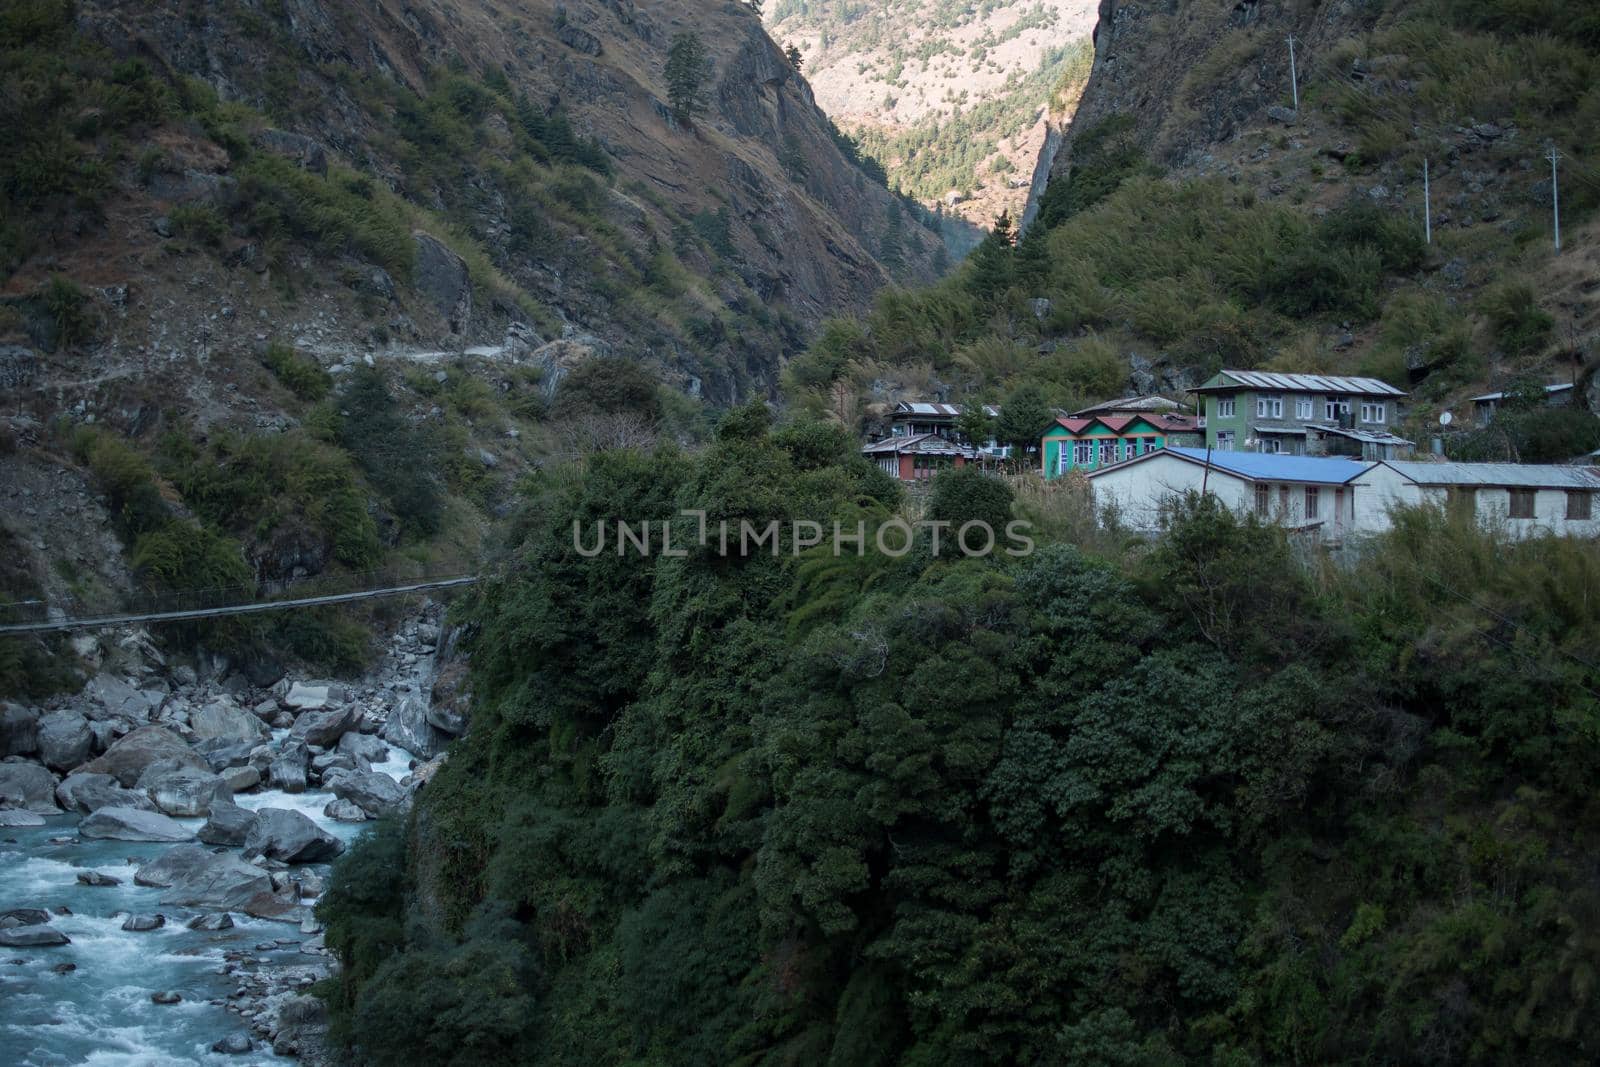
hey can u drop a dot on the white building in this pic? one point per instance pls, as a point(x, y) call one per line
point(1340, 498)
point(1308, 493)
point(1523, 499)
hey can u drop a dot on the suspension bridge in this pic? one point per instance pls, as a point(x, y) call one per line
point(213, 611)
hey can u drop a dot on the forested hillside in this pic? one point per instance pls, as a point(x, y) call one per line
point(1105, 803)
point(1216, 227)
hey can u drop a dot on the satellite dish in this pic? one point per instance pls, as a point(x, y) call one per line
point(1445, 418)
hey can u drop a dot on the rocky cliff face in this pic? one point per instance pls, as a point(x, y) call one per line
point(356, 88)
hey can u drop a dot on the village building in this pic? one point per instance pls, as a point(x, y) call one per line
point(1088, 443)
point(918, 457)
point(912, 417)
point(1338, 499)
point(1303, 415)
point(1300, 492)
point(1524, 500)
point(1484, 407)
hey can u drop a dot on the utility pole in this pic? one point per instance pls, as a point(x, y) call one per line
point(1555, 191)
point(1294, 76)
point(1427, 203)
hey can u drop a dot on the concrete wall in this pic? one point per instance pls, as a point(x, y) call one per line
point(1143, 492)
point(1387, 490)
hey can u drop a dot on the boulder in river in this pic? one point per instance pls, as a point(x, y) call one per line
point(345, 811)
point(196, 877)
point(132, 824)
point(222, 755)
point(217, 920)
point(33, 937)
point(91, 792)
point(10, 817)
point(96, 878)
point(312, 696)
point(19, 730)
point(228, 824)
point(324, 728)
point(408, 727)
point(288, 771)
point(187, 793)
point(224, 720)
point(166, 996)
point(239, 779)
point(132, 755)
point(142, 923)
point(283, 834)
point(233, 1044)
point(378, 794)
point(364, 746)
point(64, 740)
point(110, 697)
point(10, 920)
point(28, 786)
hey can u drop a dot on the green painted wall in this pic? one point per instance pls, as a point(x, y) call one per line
point(1060, 437)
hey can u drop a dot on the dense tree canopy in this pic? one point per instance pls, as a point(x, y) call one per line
point(1198, 802)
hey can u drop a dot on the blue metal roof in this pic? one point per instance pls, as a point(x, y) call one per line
point(1273, 467)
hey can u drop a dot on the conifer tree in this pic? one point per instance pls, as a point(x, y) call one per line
point(686, 72)
point(992, 266)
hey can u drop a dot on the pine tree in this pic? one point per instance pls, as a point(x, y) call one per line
point(794, 56)
point(992, 267)
point(1022, 421)
point(686, 72)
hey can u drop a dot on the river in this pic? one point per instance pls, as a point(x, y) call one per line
point(100, 1012)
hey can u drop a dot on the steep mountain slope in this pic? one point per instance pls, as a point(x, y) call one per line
point(269, 249)
point(1192, 219)
point(952, 98)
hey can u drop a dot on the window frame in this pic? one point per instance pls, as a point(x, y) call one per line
point(1227, 407)
point(1313, 499)
point(1374, 412)
point(1574, 496)
point(1305, 407)
point(1263, 499)
point(1527, 497)
point(1224, 441)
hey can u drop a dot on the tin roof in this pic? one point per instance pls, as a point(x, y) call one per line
point(1261, 466)
point(1136, 404)
point(1301, 383)
point(929, 409)
point(1490, 398)
point(927, 444)
point(1369, 437)
point(1497, 475)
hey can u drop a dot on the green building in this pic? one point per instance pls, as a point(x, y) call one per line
point(1086, 444)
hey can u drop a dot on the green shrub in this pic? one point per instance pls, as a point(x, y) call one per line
point(199, 222)
point(183, 555)
point(1519, 325)
point(325, 638)
point(300, 374)
point(966, 494)
point(68, 308)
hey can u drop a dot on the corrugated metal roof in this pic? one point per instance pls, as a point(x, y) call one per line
point(1371, 437)
point(1307, 383)
point(927, 444)
point(1276, 467)
point(1137, 404)
point(936, 410)
point(1488, 398)
point(1498, 475)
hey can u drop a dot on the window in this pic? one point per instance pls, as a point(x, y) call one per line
point(1225, 440)
point(1082, 453)
point(1151, 444)
point(1108, 452)
point(1522, 503)
point(1374, 412)
point(1312, 493)
point(1334, 407)
point(1130, 448)
point(1283, 499)
point(1263, 500)
point(1271, 445)
point(1269, 407)
point(1225, 408)
point(1463, 501)
point(1303, 407)
point(1579, 504)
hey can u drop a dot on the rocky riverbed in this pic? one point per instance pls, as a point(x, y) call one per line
point(165, 834)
